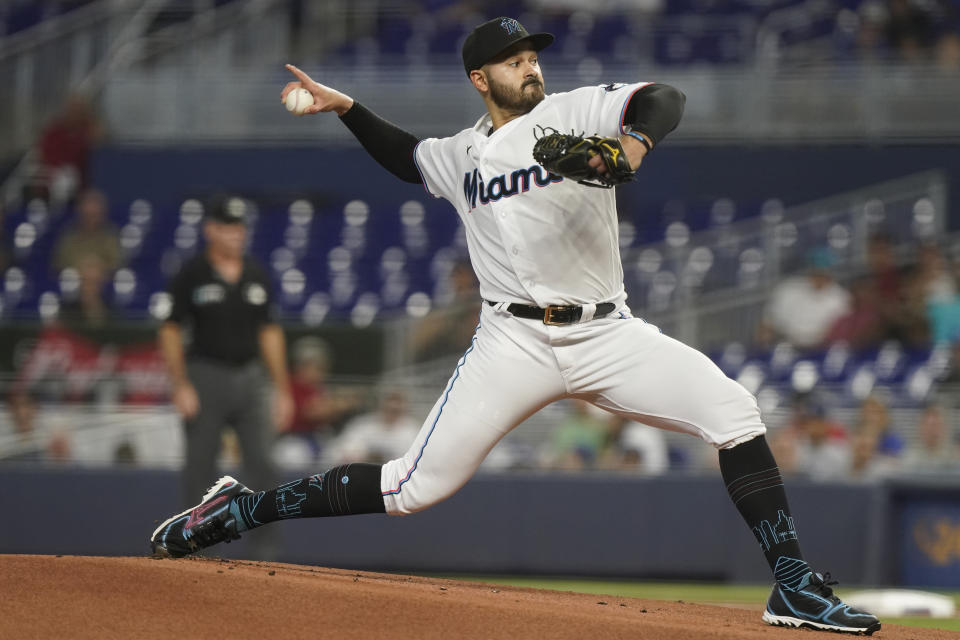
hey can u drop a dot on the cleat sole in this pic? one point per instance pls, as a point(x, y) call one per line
point(797, 623)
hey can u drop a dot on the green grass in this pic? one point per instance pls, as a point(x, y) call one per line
point(749, 595)
point(688, 592)
point(947, 624)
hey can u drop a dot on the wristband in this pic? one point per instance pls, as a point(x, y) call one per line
point(642, 139)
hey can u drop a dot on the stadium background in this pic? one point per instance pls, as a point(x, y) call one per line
point(812, 128)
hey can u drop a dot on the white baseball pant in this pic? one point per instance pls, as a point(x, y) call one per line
point(515, 366)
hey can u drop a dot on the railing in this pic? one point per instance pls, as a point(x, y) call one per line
point(38, 67)
point(213, 78)
point(44, 65)
point(84, 50)
point(710, 287)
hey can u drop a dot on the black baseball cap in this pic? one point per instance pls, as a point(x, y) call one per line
point(494, 36)
point(225, 210)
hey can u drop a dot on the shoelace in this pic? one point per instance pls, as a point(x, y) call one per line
point(821, 585)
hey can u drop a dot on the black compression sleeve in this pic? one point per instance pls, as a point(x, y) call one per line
point(655, 110)
point(386, 143)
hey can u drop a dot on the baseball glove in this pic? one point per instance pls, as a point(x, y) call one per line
point(568, 155)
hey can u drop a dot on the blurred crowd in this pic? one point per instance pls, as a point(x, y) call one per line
point(916, 31)
point(907, 296)
point(911, 299)
point(910, 30)
point(903, 295)
point(794, 31)
point(818, 447)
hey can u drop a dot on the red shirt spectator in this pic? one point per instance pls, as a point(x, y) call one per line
point(67, 141)
point(308, 400)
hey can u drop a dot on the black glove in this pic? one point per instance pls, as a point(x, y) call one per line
point(568, 155)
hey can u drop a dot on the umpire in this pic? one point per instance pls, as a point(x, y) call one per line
point(224, 297)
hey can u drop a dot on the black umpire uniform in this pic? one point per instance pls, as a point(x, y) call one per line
point(222, 361)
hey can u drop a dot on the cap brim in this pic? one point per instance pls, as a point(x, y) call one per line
point(539, 41)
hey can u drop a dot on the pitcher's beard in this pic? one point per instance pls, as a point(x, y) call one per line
point(521, 100)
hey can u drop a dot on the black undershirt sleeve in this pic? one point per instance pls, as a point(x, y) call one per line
point(655, 110)
point(388, 144)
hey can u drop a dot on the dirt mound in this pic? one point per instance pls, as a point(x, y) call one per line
point(89, 597)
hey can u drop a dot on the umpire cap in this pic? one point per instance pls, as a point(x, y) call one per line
point(227, 210)
point(494, 36)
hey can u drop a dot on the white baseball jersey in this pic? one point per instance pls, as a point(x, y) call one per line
point(534, 237)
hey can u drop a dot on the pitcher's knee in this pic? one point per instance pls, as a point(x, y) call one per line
point(409, 498)
point(736, 418)
point(740, 438)
point(408, 490)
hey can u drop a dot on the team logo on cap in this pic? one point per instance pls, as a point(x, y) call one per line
point(510, 25)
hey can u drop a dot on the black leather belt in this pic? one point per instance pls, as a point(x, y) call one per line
point(556, 314)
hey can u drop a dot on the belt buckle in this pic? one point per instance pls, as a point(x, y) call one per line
point(548, 315)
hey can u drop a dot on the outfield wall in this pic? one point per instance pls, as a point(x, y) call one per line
point(668, 527)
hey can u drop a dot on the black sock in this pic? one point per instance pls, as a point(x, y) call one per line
point(756, 488)
point(345, 490)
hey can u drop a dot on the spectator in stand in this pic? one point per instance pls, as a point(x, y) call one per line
point(934, 450)
point(378, 436)
point(635, 447)
point(89, 309)
point(803, 309)
point(930, 298)
point(311, 361)
point(449, 328)
point(811, 444)
point(34, 444)
point(580, 439)
point(903, 318)
point(866, 463)
point(874, 421)
point(932, 277)
point(862, 327)
point(66, 143)
point(125, 454)
point(935, 25)
point(910, 30)
point(91, 234)
point(316, 409)
point(948, 52)
point(883, 270)
point(871, 41)
point(23, 412)
point(945, 322)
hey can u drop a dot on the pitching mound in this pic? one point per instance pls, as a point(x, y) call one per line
point(89, 597)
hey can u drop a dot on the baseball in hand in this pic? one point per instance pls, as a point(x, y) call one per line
point(298, 100)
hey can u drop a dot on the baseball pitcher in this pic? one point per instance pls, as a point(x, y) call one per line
point(531, 180)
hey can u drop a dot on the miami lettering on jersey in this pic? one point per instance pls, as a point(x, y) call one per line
point(473, 185)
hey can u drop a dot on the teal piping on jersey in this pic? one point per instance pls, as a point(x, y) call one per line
point(623, 111)
point(446, 396)
point(417, 165)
